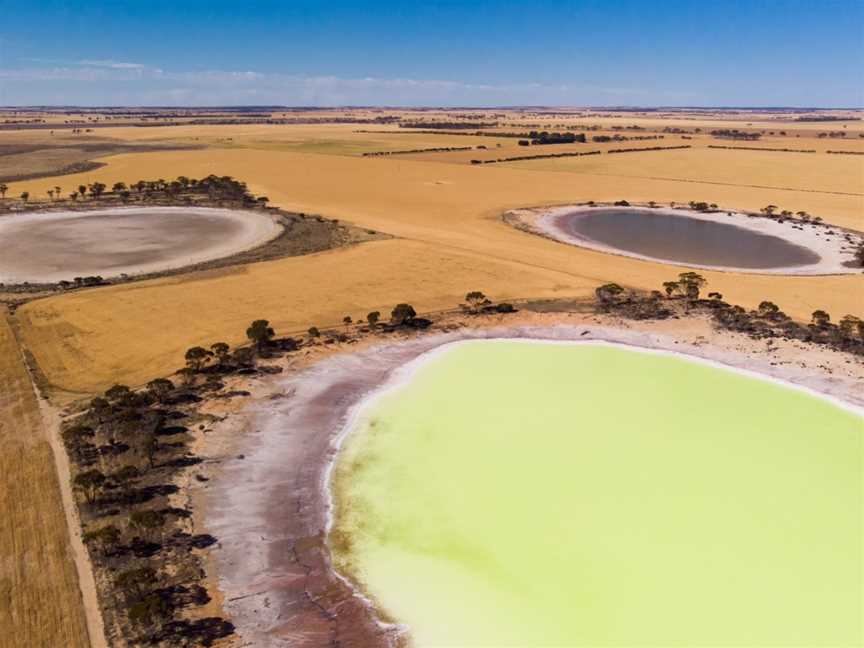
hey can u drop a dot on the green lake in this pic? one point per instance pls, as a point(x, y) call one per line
point(522, 494)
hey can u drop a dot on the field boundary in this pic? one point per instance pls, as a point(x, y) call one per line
point(83, 568)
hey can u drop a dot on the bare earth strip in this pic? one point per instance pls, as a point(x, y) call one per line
point(40, 601)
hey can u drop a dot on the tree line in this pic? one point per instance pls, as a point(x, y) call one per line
point(212, 187)
point(766, 321)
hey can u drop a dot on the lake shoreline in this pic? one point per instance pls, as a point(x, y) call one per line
point(267, 497)
point(546, 222)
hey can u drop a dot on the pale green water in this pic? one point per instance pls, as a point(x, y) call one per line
point(518, 494)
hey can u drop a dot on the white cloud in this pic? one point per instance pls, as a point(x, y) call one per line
point(115, 65)
point(108, 82)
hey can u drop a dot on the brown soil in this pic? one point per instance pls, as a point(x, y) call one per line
point(49, 159)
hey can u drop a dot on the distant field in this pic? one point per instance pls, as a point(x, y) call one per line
point(450, 241)
point(40, 604)
point(737, 168)
point(445, 213)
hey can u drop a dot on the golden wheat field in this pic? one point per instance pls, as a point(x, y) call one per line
point(222, 228)
point(445, 216)
point(40, 604)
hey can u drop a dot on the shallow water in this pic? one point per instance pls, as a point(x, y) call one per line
point(517, 494)
point(688, 240)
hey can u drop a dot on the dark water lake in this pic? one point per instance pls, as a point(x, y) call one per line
point(681, 238)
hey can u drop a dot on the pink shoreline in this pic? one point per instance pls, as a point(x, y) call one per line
point(272, 509)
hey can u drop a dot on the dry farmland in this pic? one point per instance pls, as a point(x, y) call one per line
point(449, 238)
point(444, 215)
point(40, 603)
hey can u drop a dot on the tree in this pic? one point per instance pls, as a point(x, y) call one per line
point(244, 356)
point(768, 309)
point(196, 357)
point(608, 294)
point(82, 190)
point(187, 376)
point(136, 582)
point(260, 333)
point(118, 393)
point(159, 388)
point(769, 210)
point(691, 283)
point(150, 449)
point(222, 352)
point(3, 189)
point(476, 301)
point(25, 196)
point(852, 326)
point(715, 295)
point(50, 193)
point(149, 609)
point(146, 522)
point(117, 187)
point(100, 408)
point(97, 189)
point(820, 319)
point(347, 321)
point(671, 287)
point(89, 482)
point(57, 191)
point(104, 539)
point(125, 476)
point(402, 314)
point(313, 332)
point(372, 318)
point(76, 434)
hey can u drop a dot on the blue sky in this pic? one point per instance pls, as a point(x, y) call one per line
point(717, 53)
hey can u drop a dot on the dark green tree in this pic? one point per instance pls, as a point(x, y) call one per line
point(104, 539)
point(608, 294)
point(402, 314)
point(90, 483)
point(260, 333)
point(222, 352)
point(159, 388)
point(476, 301)
point(196, 358)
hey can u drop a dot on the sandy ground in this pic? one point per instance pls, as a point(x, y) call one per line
point(56, 245)
point(834, 252)
point(267, 499)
